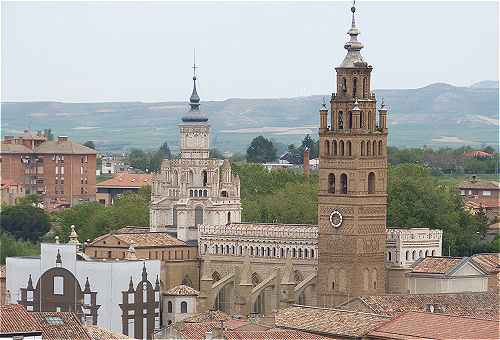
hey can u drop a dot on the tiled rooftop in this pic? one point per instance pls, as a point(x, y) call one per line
point(436, 264)
point(182, 290)
point(490, 263)
point(7, 148)
point(60, 325)
point(67, 147)
point(98, 333)
point(126, 180)
point(334, 322)
point(480, 184)
point(482, 305)
point(414, 325)
point(211, 315)
point(15, 319)
point(144, 239)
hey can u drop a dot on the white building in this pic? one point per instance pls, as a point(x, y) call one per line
point(405, 246)
point(179, 303)
point(119, 295)
point(194, 189)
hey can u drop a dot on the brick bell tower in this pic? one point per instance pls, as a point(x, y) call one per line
point(352, 198)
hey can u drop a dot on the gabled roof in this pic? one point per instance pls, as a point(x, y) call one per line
point(483, 305)
point(443, 265)
point(182, 290)
point(488, 262)
point(8, 148)
point(16, 319)
point(66, 147)
point(143, 239)
point(126, 180)
point(334, 322)
point(60, 325)
point(98, 333)
point(415, 325)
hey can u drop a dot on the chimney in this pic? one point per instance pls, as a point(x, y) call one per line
point(61, 139)
point(306, 163)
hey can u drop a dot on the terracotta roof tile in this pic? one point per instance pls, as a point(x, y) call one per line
point(413, 325)
point(60, 325)
point(16, 319)
point(483, 305)
point(8, 148)
point(67, 147)
point(490, 263)
point(211, 315)
point(98, 333)
point(142, 239)
point(328, 321)
point(436, 264)
point(182, 290)
point(480, 184)
point(126, 180)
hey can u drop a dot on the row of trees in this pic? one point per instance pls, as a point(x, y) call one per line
point(263, 150)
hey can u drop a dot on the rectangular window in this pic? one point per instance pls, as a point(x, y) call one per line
point(131, 298)
point(109, 253)
point(62, 170)
point(58, 309)
point(57, 170)
point(462, 192)
point(58, 285)
point(131, 328)
point(86, 299)
point(29, 295)
point(486, 193)
point(470, 192)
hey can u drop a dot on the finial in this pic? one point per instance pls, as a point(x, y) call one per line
point(382, 105)
point(144, 272)
point(73, 236)
point(58, 258)
point(194, 64)
point(353, 9)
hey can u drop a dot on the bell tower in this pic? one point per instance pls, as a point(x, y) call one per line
point(352, 198)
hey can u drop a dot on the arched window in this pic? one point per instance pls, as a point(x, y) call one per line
point(343, 183)
point(331, 183)
point(174, 217)
point(223, 193)
point(420, 254)
point(306, 253)
point(205, 248)
point(205, 177)
point(374, 148)
point(198, 215)
point(432, 253)
point(426, 253)
point(205, 193)
point(169, 307)
point(334, 147)
point(413, 254)
point(361, 122)
point(200, 192)
point(241, 250)
point(333, 285)
point(369, 121)
point(362, 148)
point(312, 253)
point(341, 120)
point(349, 148)
point(341, 147)
point(354, 87)
point(216, 248)
point(228, 217)
point(227, 249)
point(184, 307)
point(196, 193)
point(251, 251)
point(374, 279)
point(407, 255)
point(327, 148)
point(364, 87)
point(300, 253)
point(344, 85)
point(371, 183)
point(368, 148)
point(190, 193)
point(274, 252)
point(282, 253)
point(350, 120)
point(389, 256)
point(380, 153)
point(366, 279)
point(294, 252)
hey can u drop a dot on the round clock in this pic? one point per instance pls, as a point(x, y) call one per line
point(336, 219)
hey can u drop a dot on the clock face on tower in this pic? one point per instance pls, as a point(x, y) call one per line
point(336, 219)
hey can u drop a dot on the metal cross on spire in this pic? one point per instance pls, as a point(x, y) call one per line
point(194, 64)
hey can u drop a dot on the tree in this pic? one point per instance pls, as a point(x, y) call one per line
point(138, 159)
point(215, 153)
point(9, 246)
point(165, 151)
point(49, 134)
point(261, 150)
point(24, 221)
point(89, 144)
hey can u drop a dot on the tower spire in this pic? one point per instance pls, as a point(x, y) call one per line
point(194, 114)
point(353, 46)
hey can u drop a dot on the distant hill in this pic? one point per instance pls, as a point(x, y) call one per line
point(486, 84)
point(438, 115)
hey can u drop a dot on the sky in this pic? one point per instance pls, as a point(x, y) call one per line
point(131, 51)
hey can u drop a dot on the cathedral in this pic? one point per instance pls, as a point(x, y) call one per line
point(194, 189)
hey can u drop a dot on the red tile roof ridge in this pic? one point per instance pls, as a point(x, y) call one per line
point(338, 310)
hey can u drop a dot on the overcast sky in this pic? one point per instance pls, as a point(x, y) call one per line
point(127, 51)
